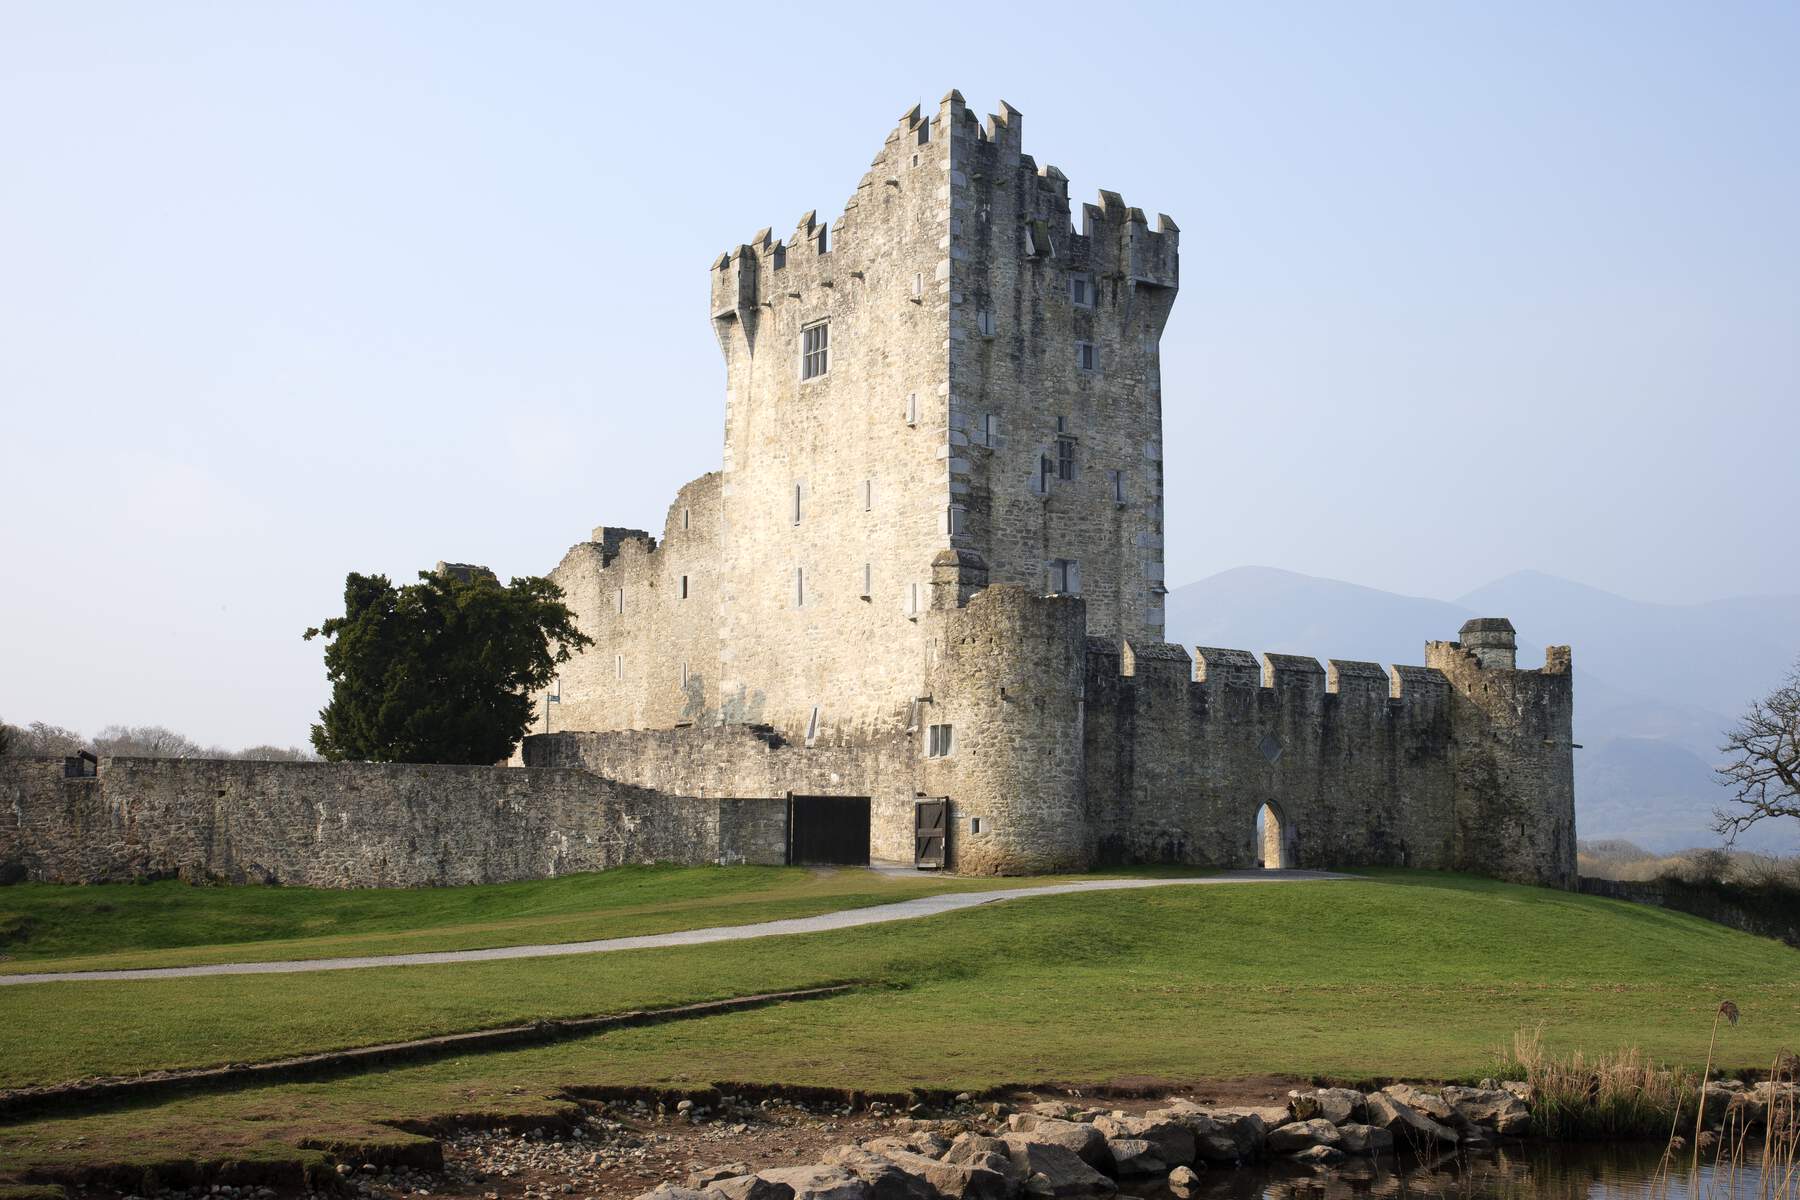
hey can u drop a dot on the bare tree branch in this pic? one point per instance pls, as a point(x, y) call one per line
point(1763, 770)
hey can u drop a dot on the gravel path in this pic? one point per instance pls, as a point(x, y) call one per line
point(850, 918)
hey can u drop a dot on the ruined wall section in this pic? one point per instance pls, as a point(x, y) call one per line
point(1182, 753)
point(357, 824)
point(1054, 357)
point(835, 487)
point(652, 607)
point(1514, 783)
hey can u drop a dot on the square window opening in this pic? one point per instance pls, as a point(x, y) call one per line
point(815, 350)
point(938, 741)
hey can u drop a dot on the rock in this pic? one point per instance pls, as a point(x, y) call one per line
point(930, 1144)
point(1183, 1181)
point(1085, 1140)
point(1405, 1123)
point(886, 1179)
point(1337, 1105)
point(1420, 1101)
point(1301, 1135)
point(699, 1179)
point(1318, 1155)
point(1135, 1156)
point(959, 1181)
point(1494, 1108)
point(1174, 1141)
point(748, 1187)
point(1523, 1092)
point(668, 1191)
point(1364, 1139)
point(820, 1182)
point(971, 1147)
point(1221, 1135)
point(1055, 1170)
point(1055, 1109)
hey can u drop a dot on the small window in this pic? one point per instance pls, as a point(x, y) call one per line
point(868, 495)
point(956, 520)
point(618, 666)
point(990, 430)
point(815, 349)
point(912, 408)
point(868, 580)
point(812, 726)
point(684, 672)
point(974, 824)
point(684, 518)
point(684, 587)
point(1117, 479)
point(1046, 472)
point(1081, 291)
point(912, 599)
point(796, 504)
point(1065, 577)
point(937, 741)
point(1086, 357)
point(1065, 458)
point(619, 601)
point(984, 322)
point(799, 587)
point(918, 285)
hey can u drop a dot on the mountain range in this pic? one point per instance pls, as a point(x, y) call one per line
point(1656, 685)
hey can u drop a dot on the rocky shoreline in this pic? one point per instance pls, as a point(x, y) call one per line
point(1057, 1150)
point(1021, 1146)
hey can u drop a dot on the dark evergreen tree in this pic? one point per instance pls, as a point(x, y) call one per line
point(439, 671)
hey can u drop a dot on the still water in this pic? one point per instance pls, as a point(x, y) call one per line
point(1528, 1172)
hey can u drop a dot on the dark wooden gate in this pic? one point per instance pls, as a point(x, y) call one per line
point(931, 833)
point(828, 830)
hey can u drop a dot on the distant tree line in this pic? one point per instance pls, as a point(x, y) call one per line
point(131, 741)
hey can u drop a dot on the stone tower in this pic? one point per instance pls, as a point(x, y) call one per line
point(948, 389)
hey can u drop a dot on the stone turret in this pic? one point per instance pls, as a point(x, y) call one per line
point(1492, 640)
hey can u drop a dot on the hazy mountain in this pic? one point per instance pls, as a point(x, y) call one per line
point(1655, 685)
point(1713, 656)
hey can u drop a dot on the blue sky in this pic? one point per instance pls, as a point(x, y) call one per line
point(287, 291)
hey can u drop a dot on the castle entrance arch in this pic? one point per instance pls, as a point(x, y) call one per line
point(1274, 838)
point(828, 831)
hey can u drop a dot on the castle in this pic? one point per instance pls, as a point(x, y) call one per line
point(923, 596)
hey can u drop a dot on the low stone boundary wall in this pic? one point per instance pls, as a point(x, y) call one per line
point(357, 824)
point(1772, 915)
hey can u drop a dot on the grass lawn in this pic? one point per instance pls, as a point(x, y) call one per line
point(1409, 974)
point(50, 927)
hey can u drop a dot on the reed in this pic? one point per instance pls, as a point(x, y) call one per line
point(1583, 1097)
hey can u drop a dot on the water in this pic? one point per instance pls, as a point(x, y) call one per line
point(1627, 1171)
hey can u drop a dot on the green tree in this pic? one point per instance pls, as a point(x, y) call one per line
point(441, 670)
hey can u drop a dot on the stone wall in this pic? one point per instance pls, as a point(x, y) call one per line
point(357, 824)
point(1355, 764)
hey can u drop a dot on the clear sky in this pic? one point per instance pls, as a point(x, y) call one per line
point(292, 290)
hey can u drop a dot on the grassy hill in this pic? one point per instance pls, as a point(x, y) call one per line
point(1403, 974)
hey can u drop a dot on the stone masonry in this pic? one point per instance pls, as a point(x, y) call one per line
point(930, 567)
point(940, 505)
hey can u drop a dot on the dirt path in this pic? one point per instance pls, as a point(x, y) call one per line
point(905, 910)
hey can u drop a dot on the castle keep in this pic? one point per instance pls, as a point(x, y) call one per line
point(930, 569)
point(916, 615)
